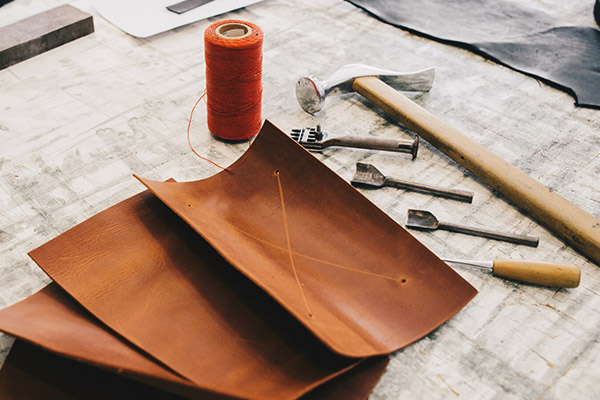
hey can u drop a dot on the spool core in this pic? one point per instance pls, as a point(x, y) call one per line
point(233, 30)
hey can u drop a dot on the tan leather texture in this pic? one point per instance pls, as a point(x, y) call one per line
point(355, 278)
point(30, 373)
point(53, 321)
point(161, 290)
point(143, 272)
point(33, 374)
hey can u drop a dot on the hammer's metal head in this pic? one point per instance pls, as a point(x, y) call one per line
point(311, 92)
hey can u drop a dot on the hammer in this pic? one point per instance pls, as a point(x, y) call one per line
point(562, 217)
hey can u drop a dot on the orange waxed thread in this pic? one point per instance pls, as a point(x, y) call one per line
point(289, 244)
point(189, 140)
point(233, 57)
point(233, 94)
point(295, 253)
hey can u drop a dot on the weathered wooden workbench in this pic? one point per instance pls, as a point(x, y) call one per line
point(78, 121)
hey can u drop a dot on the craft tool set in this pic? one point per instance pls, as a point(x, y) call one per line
point(283, 276)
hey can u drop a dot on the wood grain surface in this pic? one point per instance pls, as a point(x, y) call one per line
point(77, 121)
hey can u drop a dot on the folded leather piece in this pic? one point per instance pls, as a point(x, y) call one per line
point(356, 384)
point(163, 281)
point(30, 373)
point(354, 277)
point(55, 322)
point(528, 41)
point(52, 320)
point(143, 272)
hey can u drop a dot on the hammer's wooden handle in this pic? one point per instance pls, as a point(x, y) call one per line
point(564, 218)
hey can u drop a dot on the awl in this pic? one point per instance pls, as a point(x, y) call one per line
point(538, 273)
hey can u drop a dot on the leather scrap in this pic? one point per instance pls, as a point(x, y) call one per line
point(30, 373)
point(355, 278)
point(354, 384)
point(52, 320)
point(150, 278)
point(576, 67)
point(528, 41)
point(248, 284)
point(64, 352)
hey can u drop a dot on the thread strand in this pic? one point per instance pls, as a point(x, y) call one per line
point(325, 262)
point(189, 140)
point(289, 244)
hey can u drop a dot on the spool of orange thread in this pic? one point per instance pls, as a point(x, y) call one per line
point(233, 56)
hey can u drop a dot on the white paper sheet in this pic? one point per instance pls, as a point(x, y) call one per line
point(143, 18)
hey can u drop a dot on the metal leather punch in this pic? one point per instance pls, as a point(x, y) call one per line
point(317, 139)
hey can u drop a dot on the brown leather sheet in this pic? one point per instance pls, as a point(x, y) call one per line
point(52, 320)
point(143, 272)
point(30, 373)
point(356, 279)
point(33, 374)
point(357, 383)
point(55, 322)
point(165, 274)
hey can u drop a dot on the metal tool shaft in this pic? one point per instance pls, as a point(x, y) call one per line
point(454, 194)
point(318, 139)
point(483, 265)
point(373, 143)
point(538, 273)
point(491, 234)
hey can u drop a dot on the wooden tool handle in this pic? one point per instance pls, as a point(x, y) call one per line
point(562, 217)
point(539, 273)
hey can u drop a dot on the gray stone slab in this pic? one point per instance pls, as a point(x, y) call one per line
point(42, 32)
